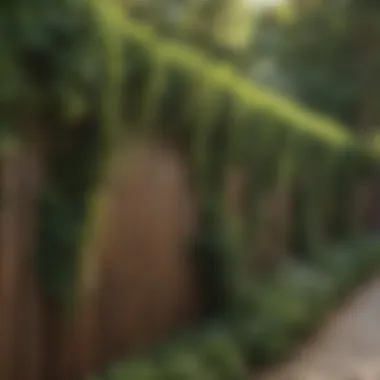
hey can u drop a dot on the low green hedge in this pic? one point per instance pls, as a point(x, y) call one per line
point(274, 316)
point(288, 306)
point(209, 355)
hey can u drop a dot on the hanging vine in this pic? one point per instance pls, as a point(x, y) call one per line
point(89, 76)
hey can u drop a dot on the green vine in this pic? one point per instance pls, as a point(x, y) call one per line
point(88, 76)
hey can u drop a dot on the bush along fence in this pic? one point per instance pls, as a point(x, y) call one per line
point(89, 79)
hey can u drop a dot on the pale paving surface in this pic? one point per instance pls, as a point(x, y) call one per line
point(346, 348)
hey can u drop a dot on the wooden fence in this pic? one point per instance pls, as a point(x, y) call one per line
point(147, 287)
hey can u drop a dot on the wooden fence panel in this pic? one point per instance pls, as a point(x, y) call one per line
point(147, 288)
point(20, 318)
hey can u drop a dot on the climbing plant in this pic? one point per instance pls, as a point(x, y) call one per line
point(88, 75)
point(220, 119)
point(57, 68)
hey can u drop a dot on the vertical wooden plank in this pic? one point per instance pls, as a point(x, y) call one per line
point(11, 242)
point(78, 351)
point(28, 331)
point(141, 296)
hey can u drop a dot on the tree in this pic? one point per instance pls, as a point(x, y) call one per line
point(329, 53)
point(221, 28)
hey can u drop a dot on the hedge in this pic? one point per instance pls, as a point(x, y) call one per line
point(210, 353)
point(282, 311)
point(273, 318)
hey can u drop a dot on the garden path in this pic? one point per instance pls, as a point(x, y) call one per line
point(347, 347)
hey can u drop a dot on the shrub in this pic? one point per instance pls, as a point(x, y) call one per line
point(138, 370)
point(288, 306)
point(209, 355)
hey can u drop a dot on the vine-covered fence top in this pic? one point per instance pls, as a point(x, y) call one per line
point(171, 88)
point(174, 62)
point(78, 42)
point(222, 118)
point(86, 72)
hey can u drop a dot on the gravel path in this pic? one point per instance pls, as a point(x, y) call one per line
point(346, 348)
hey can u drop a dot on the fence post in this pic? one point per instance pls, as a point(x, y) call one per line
point(10, 251)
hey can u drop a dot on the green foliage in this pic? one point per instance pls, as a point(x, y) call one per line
point(139, 370)
point(314, 172)
point(210, 355)
point(282, 309)
point(88, 75)
point(327, 55)
point(227, 120)
point(314, 53)
point(50, 58)
point(58, 236)
point(216, 254)
point(71, 173)
point(220, 28)
point(277, 111)
point(218, 351)
point(343, 193)
point(184, 366)
point(56, 67)
point(276, 314)
point(87, 57)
